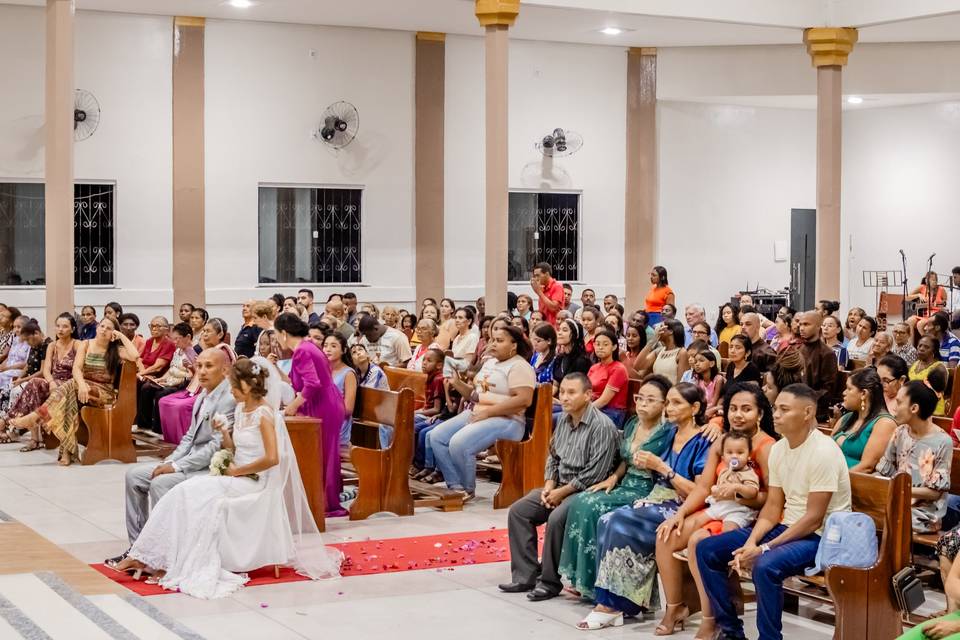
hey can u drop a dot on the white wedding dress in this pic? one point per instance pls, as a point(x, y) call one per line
point(207, 531)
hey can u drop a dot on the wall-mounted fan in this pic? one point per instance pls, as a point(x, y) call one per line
point(559, 143)
point(340, 125)
point(86, 114)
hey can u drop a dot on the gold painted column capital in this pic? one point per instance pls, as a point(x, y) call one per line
point(829, 46)
point(497, 12)
point(431, 36)
point(642, 51)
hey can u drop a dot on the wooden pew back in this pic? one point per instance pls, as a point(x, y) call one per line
point(382, 473)
point(953, 392)
point(633, 388)
point(399, 378)
point(106, 431)
point(523, 463)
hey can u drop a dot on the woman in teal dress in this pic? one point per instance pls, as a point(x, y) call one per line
point(864, 432)
point(645, 432)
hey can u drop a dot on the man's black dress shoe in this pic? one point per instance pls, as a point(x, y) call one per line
point(515, 587)
point(540, 593)
point(120, 558)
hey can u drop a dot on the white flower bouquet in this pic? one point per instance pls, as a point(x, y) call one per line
point(222, 460)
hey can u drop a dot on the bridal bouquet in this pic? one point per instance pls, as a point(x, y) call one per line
point(222, 460)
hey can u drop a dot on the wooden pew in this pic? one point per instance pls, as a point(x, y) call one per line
point(382, 481)
point(399, 378)
point(854, 365)
point(105, 432)
point(382, 473)
point(523, 463)
point(863, 600)
point(305, 437)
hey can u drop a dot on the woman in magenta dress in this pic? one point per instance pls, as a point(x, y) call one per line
point(317, 397)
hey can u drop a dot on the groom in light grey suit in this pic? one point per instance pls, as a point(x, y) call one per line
point(148, 482)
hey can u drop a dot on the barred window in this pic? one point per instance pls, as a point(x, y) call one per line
point(22, 221)
point(543, 227)
point(310, 235)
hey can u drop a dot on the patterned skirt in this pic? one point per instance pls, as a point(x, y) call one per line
point(61, 412)
point(33, 394)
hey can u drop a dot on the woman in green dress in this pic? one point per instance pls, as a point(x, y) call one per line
point(644, 435)
point(864, 432)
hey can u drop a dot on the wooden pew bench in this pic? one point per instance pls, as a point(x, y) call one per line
point(416, 381)
point(863, 600)
point(105, 433)
point(522, 463)
point(382, 481)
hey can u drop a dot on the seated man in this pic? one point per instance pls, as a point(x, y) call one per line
point(808, 481)
point(387, 346)
point(583, 452)
point(760, 352)
point(820, 362)
point(146, 483)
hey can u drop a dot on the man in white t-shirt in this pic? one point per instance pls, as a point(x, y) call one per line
point(808, 481)
point(385, 345)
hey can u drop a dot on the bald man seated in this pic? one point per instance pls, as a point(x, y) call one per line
point(148, 482)
point(820, 362)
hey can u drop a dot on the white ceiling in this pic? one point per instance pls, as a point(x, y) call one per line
point(659, 23)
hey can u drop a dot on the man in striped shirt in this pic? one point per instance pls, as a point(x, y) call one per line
point(583, 452)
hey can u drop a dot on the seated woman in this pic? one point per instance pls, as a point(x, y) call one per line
point(346, 379)
point(501, 392)
point(88, 322)
point(665, 355)
point(524, 306)
point(7, 317)
point(369, 374)
point(927, 362)
point(157, 351)
point(152, 388)
point(903, 344)
point(831, 331)
point(408, 324)
point(882, 344)
point(748, 413)
point(827, 307)
point(544, 343)
point(199, 317)
point(447, 328)
point(784, 336)
point(741, 369)
point(893, 371)
point(33, 337)
point(13, 367)
point(609, 378)
point(571, 355)
point(95, 368)
point(614, 322)
point(464, 344)
point(590, 319)
point(706, 375)
point(427, 331)
point(643, 433)
point(626, 582)
point(922, 449)
point(203, 534)
point(787, 369)
point(931, 296)
point(57, 368)
point(853, 319)
point(390, 316)
point(129, 323)
point(635, 340)
point(175, 409)
point(728, 322)
point(865, 430)
point(862, 342)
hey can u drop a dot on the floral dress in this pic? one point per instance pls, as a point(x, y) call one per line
point(627, 537)
point(36, 391)
point(61, 412)
point(578, 559)
point(927, 460)
point(34, 363)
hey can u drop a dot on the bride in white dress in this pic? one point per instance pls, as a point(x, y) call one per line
point(206, 532)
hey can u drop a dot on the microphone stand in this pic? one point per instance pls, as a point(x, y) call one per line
point(903, 303)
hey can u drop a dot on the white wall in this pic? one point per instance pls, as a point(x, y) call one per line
point(729, 176)
point(125, 61)
point(900, 191)
point(264, 93)
point(578, 87)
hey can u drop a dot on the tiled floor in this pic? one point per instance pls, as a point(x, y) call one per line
point(81, 509)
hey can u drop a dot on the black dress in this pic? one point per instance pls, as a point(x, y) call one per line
point(750, 373)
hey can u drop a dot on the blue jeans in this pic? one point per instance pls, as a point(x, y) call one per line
point(769, 572)
point(617, 415)
point(457, 442)
point(422, 451)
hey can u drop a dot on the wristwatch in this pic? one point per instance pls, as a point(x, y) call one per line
point(764, 548)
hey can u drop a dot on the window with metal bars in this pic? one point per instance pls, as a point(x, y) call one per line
point(543, 227)
point(22, 241)
point(310, 235)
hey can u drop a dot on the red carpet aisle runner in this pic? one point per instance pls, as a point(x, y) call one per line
point(440, 552)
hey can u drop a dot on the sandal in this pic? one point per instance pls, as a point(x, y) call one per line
point(668, 626)
point(9, 436)
point(708, 629)
point(33, 445)
point(599, 620)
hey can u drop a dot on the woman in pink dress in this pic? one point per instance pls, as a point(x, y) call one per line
point(317, 397)
point(176, 409)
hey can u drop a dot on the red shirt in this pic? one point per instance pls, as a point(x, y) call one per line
point(613, 375)
point(553, 291)
point(164, 351)
point(433, 391)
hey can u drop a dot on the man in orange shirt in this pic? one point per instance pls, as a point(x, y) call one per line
point(548, 290)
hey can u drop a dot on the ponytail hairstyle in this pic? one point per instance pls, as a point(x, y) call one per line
point(693, 393)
